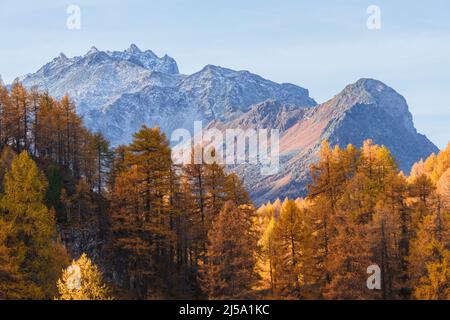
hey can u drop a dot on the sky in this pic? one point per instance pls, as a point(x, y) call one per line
point(319, 46)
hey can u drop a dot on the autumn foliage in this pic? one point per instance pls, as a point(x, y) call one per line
point(360, 211)
point(169, 231)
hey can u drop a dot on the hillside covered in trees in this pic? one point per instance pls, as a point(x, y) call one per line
point(137, 226)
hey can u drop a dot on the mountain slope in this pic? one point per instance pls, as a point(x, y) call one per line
point(269, 114)
point(214, 93)
point(116, 92)
point(367, 109)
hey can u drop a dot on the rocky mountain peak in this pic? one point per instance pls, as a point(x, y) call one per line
point(214, 71)
point(146, 59)
point(378, 95)
point(63, 57)
point(134, 49)
point(91, 51)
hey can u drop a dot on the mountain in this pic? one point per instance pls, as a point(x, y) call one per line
point(99, 78)
point(116, 92)
point(214, 93)
point(367, 109)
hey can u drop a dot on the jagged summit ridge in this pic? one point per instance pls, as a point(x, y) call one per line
point(98, 78)
point(116, 91)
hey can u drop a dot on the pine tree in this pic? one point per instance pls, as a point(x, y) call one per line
point(53, 194)
point(82, 281)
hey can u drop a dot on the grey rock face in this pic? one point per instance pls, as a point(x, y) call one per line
point(98, 78)
point(116, 92)
point(214, 93)
point(367, 109)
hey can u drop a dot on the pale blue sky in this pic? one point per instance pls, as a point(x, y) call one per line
point(321, 47)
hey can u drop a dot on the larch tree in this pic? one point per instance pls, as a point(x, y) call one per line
point(33, 233)
point(6, 158)
point(11, 280)
point(235, 190)
point(4, 108)
point(215, 187)
point(291, 237)
point(349, 259)
point(67, 108)
point(435, 283)
point(150, 153)
point(384, 230)
point(230, 269)
point(268, 257)
point(20, 115)
point(443, 189)
point(207, 183)
point(422, 190)
point(324, 191)
point(428, 258)
point(82, 280)
point(141, 214)
point(117, 164)
point(103, 158)
point(131, 243)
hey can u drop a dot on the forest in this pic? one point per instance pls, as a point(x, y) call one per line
point(192, 232)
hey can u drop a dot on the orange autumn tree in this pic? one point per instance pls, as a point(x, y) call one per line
point(229, 271)
point(362, 211)
point(29, 231)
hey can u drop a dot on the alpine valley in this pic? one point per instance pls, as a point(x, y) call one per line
point(116, 92)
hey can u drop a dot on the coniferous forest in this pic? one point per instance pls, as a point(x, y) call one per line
point(134, 225)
